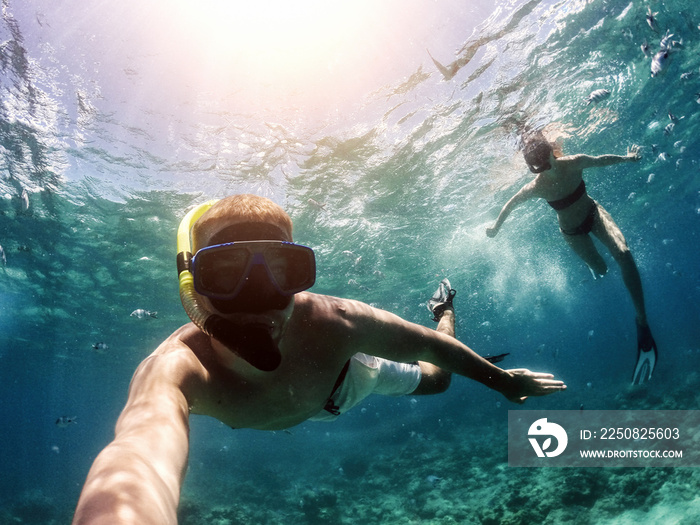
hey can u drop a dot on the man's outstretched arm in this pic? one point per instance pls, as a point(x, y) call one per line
point(136, 479)
point(387, 335)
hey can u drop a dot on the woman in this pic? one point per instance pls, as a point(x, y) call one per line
point(559, 180)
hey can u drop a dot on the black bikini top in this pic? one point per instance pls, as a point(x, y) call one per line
point(572, 197)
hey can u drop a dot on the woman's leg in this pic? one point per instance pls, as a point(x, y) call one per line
point(583, 245)
point(611, 236)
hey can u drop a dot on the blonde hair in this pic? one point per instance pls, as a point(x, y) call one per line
point(242, 208)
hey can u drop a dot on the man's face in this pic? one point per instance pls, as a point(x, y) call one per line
point(258, 301)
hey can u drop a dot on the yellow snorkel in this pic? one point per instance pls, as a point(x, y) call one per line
point(210, 323)
point(189, 297)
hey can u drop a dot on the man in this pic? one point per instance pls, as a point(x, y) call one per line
point(263, 354)
point(559, 180)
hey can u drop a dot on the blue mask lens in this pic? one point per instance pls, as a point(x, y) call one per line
point(225, 270)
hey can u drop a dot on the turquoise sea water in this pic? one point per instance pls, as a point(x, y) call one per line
point(116, 118)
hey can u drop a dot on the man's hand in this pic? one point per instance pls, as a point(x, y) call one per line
point(524, 383)
point(634, 153)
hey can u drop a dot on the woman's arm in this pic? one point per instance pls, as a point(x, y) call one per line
point(136, 479)
point(581, 162)
point(526, 192)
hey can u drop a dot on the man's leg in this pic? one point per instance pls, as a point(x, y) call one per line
point(435, 380)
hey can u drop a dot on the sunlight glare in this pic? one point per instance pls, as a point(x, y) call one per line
point(275, 40)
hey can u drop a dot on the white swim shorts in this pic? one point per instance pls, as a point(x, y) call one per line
point(367, 375)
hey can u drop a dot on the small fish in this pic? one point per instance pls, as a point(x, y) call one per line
point(433, 479)
point(664, 45)
point(651, 20)
point(65, 421)
point(317, 204)
point(687, 75)
point(100, 346)
point(669, 128)
point(659, 62)
point(645, 48)
point(3, 258)
point(25, 200)
point(144, 314)
point(598, 95)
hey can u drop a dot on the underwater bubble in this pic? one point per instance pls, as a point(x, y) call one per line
point(589, 385)
point(650, 178)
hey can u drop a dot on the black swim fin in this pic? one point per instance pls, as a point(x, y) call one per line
point(441, 299)
point(647, 355)
point(495, 358)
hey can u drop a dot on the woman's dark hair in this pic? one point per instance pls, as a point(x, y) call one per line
point(536, 152)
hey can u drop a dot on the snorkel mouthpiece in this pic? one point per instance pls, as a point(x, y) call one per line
point(252, 343)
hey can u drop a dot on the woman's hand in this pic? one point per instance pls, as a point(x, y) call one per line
point(634, 153)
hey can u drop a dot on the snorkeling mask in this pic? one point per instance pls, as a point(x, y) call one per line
point(241, 277)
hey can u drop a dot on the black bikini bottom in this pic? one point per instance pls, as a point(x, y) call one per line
point(586, 226)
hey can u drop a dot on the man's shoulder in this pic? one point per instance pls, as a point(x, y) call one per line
point(177, 361)
point(183, 346)
point(328, 307)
